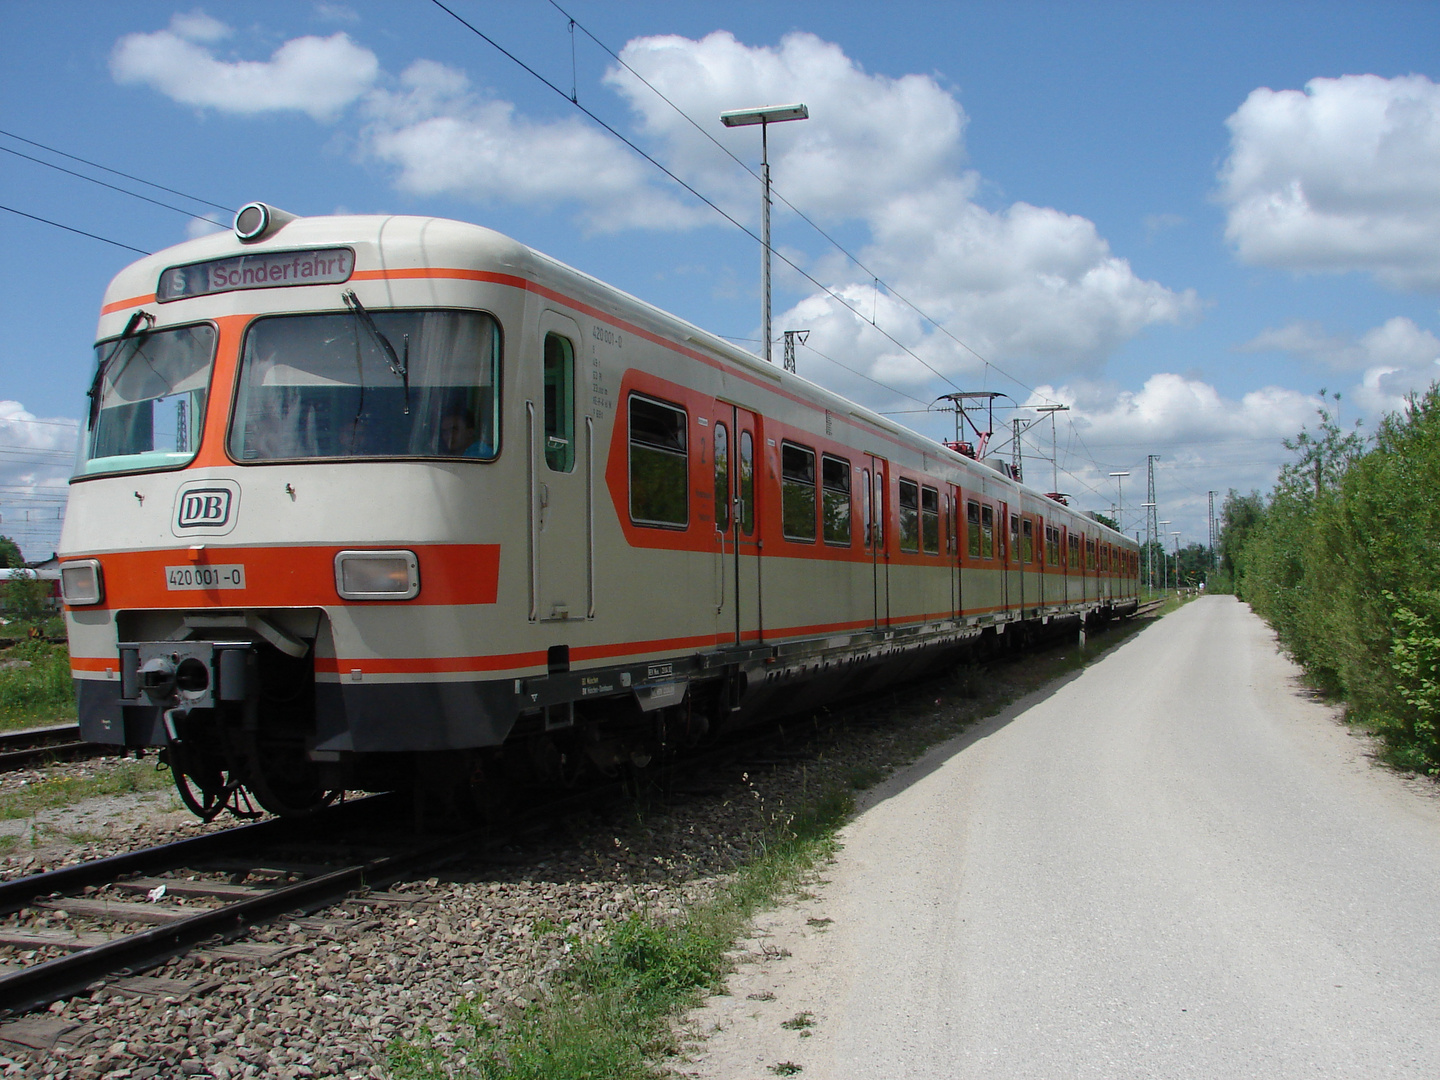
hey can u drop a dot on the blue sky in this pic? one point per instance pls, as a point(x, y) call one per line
point(1181, 220)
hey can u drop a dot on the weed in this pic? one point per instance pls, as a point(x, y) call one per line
point(799, 1022)
point(123, 778)
point(785, 1068)
point(40, 691)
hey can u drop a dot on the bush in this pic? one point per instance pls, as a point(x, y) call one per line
point(1342, 563)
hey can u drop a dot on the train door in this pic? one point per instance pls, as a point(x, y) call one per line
point(738, 524)
point(952, 547)
point(1014, 568)
point(561, 484)
point(876, 538)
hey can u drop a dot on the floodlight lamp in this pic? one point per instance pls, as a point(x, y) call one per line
point(772, 114)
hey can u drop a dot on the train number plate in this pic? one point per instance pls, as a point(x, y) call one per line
point(205, 577)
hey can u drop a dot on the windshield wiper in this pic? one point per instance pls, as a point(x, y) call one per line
point(399, 365)
point(132, 329)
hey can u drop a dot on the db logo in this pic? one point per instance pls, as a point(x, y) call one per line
point(208, 509)
point(204, 506)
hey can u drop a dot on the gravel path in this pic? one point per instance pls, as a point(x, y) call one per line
point(1176, 864)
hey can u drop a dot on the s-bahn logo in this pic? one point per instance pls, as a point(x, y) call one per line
point(206, 508)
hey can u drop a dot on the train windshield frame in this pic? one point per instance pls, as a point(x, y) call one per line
point(364, 385)
point(148, 400)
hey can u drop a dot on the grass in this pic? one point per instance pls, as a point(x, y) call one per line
point(611, 1013)
point(124, 778)
point(39, 694)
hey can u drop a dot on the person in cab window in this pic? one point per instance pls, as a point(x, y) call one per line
point(458, 435)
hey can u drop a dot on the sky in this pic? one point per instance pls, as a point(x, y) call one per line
point(1180, 220)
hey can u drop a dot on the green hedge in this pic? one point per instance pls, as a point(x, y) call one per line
point(1342, 561)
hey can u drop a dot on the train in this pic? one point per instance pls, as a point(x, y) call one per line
point(397, 502)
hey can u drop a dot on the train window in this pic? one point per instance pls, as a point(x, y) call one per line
point(1027, 543)
point(952, 525)
point(559, 403)
point(359, 384)
point(835, 498)
point(987, 532)
point(972, 528)
point(1052, 545)
point(147, 402)
point(747, 483)
point(722, 477)
point(930, 520)
point(1074, 552)
point(1014, 536)
point(909, 516)
point(659, 464)
point(797, 491)
point(1089, 554)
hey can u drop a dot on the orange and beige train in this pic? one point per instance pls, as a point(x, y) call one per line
point(377, 502)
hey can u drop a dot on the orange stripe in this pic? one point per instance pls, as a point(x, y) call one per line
point(121, 305)
point(292, 577)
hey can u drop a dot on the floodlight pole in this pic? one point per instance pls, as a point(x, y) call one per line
point(1119, 478)
point(765, 117)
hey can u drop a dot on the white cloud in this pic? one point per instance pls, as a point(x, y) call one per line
point(33, 476)
point(1029, 287)
point(1204, 440)
point(446, 140)
point(1344, 176)
point(1392, 360)
point(197, 227)
point(318, 76)
point(1396, 344)
point(869, 137)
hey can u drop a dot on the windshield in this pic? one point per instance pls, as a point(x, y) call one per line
point(150, 393)
point(326, 386)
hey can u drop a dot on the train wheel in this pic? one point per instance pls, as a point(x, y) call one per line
point(285, 783)
point(206, 787)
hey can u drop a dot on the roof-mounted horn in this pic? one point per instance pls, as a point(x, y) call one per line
point(257, 220)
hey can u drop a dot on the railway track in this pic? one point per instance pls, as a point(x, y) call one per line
point(128, 913)
point(42, 745)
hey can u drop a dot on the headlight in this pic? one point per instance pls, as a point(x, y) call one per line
point(377, 575)
point(81, 583)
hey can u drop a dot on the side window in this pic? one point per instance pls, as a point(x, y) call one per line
point(909, 516)
point(722, 477)
point(559, 403)
point(987, 532)
point(930, 520)
point(659, 464)
point(1027, 543)
point(835, 495)
point(1074, 552)
point(1014, 551)
point(972, 528)
point(747, 483)
point(797, 491)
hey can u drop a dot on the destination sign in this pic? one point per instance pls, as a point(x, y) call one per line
point(262, 270)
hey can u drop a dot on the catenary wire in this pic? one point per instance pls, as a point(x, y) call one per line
point(728, 217)
point(112, 187)
point(81, 232)
point(889, 289)
point(116, 172)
